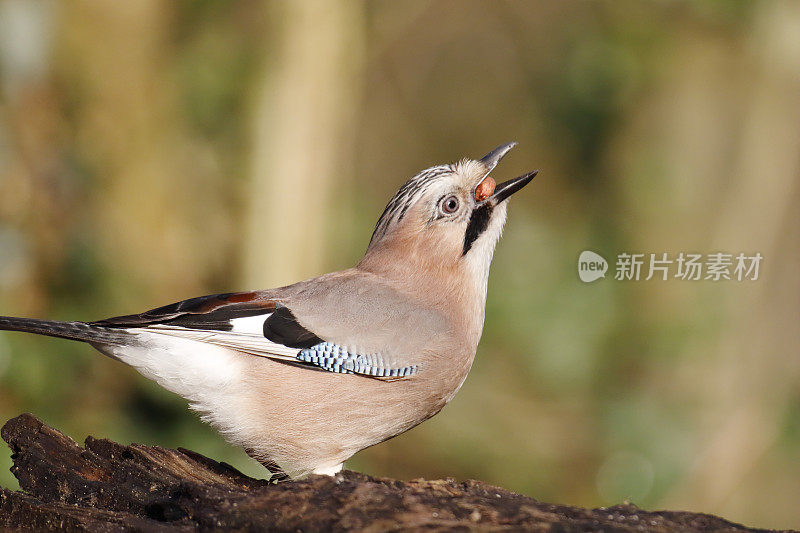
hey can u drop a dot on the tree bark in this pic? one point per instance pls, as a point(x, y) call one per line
point(107, 486)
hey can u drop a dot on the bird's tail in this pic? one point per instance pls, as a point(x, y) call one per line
point(78, 331)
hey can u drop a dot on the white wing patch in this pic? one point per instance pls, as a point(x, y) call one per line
point(250, 324)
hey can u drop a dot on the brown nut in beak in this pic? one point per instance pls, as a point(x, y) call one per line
point(485, 189)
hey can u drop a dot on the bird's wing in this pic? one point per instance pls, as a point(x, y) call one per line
point(252, 323)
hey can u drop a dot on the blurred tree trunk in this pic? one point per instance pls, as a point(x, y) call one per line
point(113, 59)
point(303, 134)
point(747, 411)
point(733, 167)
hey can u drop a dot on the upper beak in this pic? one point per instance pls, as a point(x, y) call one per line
point(507, 188)
point(491, 159)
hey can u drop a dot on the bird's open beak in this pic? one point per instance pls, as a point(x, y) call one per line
point(507, 188)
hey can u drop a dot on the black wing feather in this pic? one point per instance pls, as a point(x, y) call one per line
point(213, 312)
point(283, 328)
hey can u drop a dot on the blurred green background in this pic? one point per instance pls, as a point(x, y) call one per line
point(154, 151)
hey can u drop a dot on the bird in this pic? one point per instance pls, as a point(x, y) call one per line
point(306, 375)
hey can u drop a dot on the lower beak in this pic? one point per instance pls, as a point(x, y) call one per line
point(507, 188)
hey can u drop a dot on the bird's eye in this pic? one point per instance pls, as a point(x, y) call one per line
point(449, 205)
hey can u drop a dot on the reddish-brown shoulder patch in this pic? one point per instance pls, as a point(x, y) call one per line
point(240, 297)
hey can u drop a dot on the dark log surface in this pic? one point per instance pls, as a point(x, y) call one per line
point(106, 486)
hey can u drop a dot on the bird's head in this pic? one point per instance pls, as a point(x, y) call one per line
point(446, 219)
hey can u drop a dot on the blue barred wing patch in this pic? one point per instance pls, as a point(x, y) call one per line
point(335, 358)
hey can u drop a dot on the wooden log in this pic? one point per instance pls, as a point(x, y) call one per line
point(106, 486)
